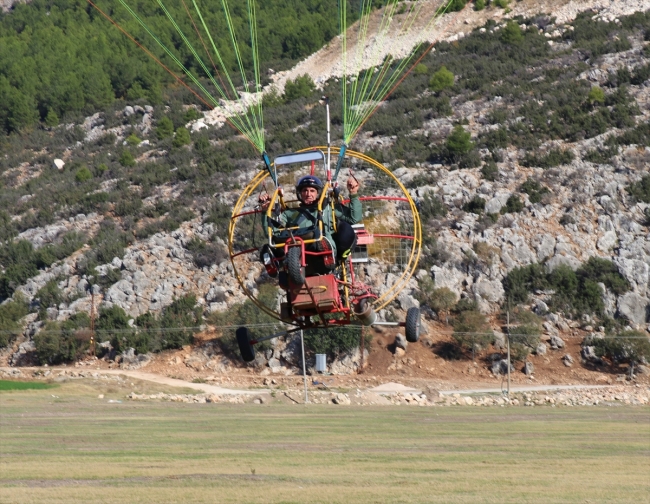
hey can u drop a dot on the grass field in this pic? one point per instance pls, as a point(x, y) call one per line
point(21, 385)
point(67, 446)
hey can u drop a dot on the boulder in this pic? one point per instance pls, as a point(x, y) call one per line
point(529, 369)
point(400, 341)
point(556, 342)
point(567, 360)
point(607, 241)
point(490, 290)
point(501, 367)
point(634, 307)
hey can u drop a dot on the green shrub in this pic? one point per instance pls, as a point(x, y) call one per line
point(83, 174)
point(479, 5)
point(641, 189)
point(248, 314)
point(627, 346)
point(50, 295)
point(63, 341)
point(525, 333)
point(431, 206)
point(441, 80)
point(490, 171)
point(458, 144)
point(333, 341)
point(472, 331)
point(51, 119)
point(522, 280)
point(575, 292)
point(596, 95)
point(457, 5)
point(164, 128)
point(207, 254)
point(192, 115)
point(476, 205)
point(421, 69)
point(441, 299)
point(302, 87)
point(182, 137)
point(555, 157)
point(133, 140)
point(534, 189)
point(10, 315)
point(513, 205)
point(512, 34)
point(126, 159)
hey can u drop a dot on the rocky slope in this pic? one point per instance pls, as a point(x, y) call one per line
point(603, 220)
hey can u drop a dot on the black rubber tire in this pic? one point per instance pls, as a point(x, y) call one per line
point(244, 342)
point(412, 325)
point(295, 269)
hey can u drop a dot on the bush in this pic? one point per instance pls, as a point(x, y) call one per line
point(302, 87)
point(207, 254)
point(479, 5)
point(126, 159)
point(441, 300)
point(520, 281)
point(596, 95)
point(63, 341)
point(164, 128)
point(181, 138)
point(472, 331)
point(10, 315)
point(628, 346)
point(431, 206)
point(441, 80)
point(512, 34)
point(641, 189)
point(83, 174)
point(50, 295)
point(476, 205)
point(459, 142)
point(333, 341)
point(490, 171)
point(513, 205)
point(248, 314)
point(457, 5)
point(555, 157)
point(525, 333)
point(534, 190)
point(133, 140)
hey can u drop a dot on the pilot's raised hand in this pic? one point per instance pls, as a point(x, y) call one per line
point(353, 185)
point(264, 200)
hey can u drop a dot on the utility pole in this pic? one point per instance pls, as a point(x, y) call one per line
point(362, 350)
point(508, 339)
point(304, 366)
point(92, 321)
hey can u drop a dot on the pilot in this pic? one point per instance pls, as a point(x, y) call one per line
point(308, 190)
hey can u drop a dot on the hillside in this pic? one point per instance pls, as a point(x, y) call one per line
point(530, 168)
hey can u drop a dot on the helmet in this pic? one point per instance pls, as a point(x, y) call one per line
point(309, 181)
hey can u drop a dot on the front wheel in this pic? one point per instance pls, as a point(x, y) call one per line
point(412, 325)
point(244, 342)
point(296, 271)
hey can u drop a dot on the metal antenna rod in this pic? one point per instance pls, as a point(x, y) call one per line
point(329, 141)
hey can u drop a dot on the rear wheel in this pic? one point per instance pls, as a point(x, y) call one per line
point(296, 271)
point(412, 325)
point(244, 342)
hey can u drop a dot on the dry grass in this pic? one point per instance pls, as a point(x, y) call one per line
point(78, 448)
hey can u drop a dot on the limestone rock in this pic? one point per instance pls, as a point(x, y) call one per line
point(634, 307)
